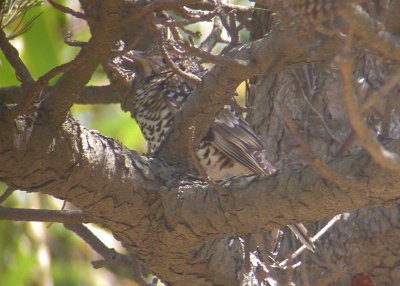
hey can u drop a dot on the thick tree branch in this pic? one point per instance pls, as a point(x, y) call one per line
point(219, 84)
point(122, 192)
point(270, 54)
point(171, 223)
point(64, 93)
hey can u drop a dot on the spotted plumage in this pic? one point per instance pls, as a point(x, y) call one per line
point(230, 147)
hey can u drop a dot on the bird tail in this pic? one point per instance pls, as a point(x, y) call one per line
point(301, 233)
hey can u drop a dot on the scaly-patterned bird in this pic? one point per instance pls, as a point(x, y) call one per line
point(230, 147)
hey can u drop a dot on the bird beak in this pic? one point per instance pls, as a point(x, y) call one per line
point(136, 56)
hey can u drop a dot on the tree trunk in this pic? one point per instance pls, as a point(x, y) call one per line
point(363, 241)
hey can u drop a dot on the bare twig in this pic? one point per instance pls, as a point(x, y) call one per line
point(8, 192)
point(95, 243)
point(382, 92)
point(382, 156)
point(15, 61)
point(73, 43)
point(192, 20)
point(233, 30)
point(320, 116)
point(37, 88)
point(67, 10)
point(346, 144)
point(203, 5)
point(111, 257)
point(90, 95)
point(19, 214)
point(320, 233)
point(319, 166)
point(371, 33)
point(206, 56)
point(386, 118)
point(189, 77)
point(214, 37)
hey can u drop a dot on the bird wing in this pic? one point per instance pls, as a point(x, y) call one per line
point(234, 136)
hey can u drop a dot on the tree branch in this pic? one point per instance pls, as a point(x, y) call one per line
point(64, 93)
point(89, 95)
point(371, 34)
point(122, 190)
point(171, 223)
point(220, 82)
point(7, 193)
point(66, 10)
point(383, 157)
point(67, 216)
point(269, 54)
point(12, 55)
point(112, 259)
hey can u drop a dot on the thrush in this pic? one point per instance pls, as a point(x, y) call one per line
point(229, 148)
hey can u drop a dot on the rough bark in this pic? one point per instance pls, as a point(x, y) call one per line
point(363, 241)
point(183, 230)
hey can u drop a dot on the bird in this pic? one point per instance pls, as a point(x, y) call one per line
point(230, 147)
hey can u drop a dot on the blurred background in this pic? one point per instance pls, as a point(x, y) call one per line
point(39, 253)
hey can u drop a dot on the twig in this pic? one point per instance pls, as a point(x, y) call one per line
point(73, 43)
point(37, 88)
point(95, 243)
point(15, 61)
point(382, 92)
point(370, 33)
point(67, 10)
point(370, 103)
point(190, 77)
point(192, 20)
point(214, 37)
point(173, 5)
point(203, 54)
point(20, 214)
point(233, 30)
point(320, 233)
point(90, 95)
point(8, 192)
point(386, 118)
point(320, 116)
point(346, 144)
point(319, 166)
point(382, 156)
point(111, 257)
point(62, 208)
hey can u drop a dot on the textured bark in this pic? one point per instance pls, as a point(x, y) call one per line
point(179, 227)
point(363, 241)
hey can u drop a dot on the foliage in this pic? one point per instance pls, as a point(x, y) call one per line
point(12, 14)
point(40, 44)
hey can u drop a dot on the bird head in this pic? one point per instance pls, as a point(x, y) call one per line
point(147, 63)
